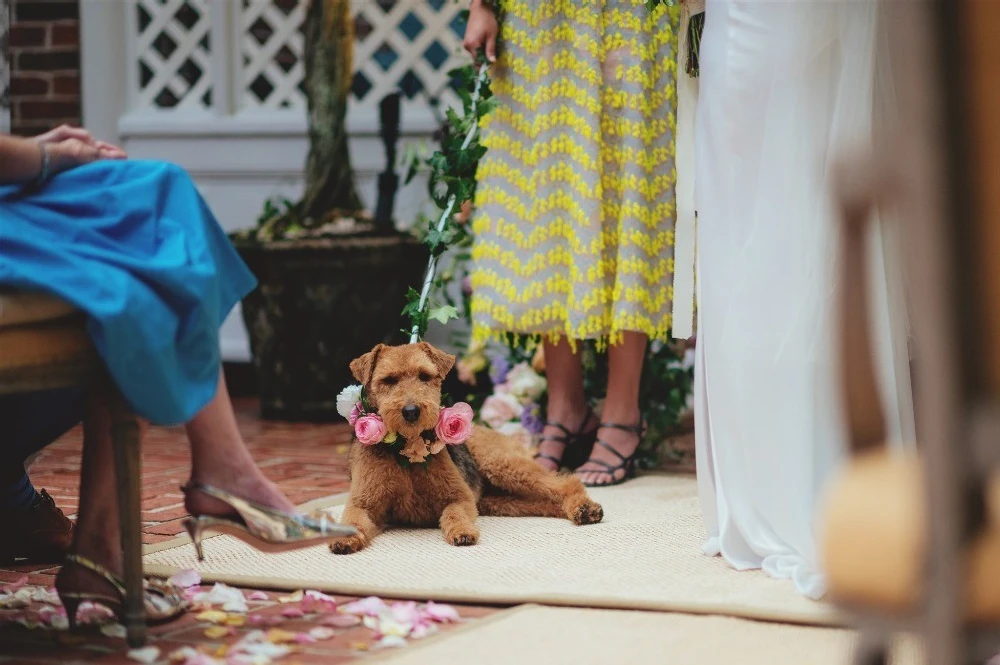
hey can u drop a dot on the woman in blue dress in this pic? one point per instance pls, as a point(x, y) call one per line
point(132, 245)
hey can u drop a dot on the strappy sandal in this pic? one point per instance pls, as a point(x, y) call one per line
point(576, 445)
point(161, 603)
point(627, 463)
point(263, 528)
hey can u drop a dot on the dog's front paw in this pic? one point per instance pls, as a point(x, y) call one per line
point(348, 544)
point(588, 512)
point(463, 537)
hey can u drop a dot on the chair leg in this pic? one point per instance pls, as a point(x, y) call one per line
point(125, 434)
point(872, 648)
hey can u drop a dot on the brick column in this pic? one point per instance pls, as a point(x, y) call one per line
point(45, 64)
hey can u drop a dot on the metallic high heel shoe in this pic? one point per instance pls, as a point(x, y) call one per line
point(263, 528)
point(161, 603)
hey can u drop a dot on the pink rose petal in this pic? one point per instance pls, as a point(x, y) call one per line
point(293, 613)
point(342, 620)
point(370, 606)
point(257, 595)
point(440, 613)
point(186, 579)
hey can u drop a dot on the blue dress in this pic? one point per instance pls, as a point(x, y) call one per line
point(132, 244)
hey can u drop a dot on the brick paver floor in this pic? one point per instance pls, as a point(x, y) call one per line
point(307, 461)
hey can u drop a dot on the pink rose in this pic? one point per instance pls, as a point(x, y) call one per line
point(369, 430)
point(355, 414)
point(454, 424)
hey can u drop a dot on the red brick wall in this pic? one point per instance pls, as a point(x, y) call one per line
point(45, 64)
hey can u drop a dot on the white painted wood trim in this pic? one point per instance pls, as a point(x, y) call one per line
point(103, 67)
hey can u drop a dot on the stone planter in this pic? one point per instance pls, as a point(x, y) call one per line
point(320, 304)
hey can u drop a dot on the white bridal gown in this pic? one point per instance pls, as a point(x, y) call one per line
point(786, 86)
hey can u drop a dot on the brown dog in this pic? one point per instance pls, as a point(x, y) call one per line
point(490, 475)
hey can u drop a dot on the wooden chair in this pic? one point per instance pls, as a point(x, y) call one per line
point(911, 540)
point(44, 344)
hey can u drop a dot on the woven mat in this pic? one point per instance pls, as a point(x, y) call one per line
point(646, 555)
point(570, 636)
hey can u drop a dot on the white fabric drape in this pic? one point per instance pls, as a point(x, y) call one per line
point(786, 88)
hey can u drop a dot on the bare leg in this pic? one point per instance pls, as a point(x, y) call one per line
point(97, 536)
point(567, 404)
point(220, 457)
point(621, 406)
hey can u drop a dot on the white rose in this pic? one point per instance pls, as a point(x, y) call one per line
point(517, 430)
point(347, 399)
point(500, 408)
point(525, 384)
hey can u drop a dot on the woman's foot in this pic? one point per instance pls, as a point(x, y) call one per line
point(612, 458)
point(564, 428)
point(248, 483)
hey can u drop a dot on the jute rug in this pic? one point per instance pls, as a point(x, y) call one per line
point(571, 636)
point(646, 555)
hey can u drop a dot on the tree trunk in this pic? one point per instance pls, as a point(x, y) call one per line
point(329, 43)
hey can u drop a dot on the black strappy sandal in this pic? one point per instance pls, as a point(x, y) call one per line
point(627, 463)
point(576, 445)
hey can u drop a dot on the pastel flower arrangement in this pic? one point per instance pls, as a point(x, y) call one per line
point(514, 405)
point(454, 426)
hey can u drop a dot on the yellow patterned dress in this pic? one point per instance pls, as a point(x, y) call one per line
point(574, 220)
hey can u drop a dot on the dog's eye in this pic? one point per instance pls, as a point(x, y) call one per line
point(424, 376)
point(390, 381)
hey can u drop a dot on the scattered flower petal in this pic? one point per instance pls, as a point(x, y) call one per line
point(215, 632)
point(279, 636)
point(93, 613)
point(304, 638)
point(113, 630)
point(293, 613)
point(342, 620)
point(321, 633)
point(147, 655)
point(390, 641)
point(186, 579)
point(257, 595)
point(294, 598)
point(370, 606)
point(236, 620)
point(440, 613)
point(231, 600)
point(190, 656)
point(359, 646)
point(211, 616)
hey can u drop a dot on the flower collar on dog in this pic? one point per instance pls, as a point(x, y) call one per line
point(453, 428)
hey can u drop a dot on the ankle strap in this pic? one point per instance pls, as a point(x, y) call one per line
point(639, 429)
point(98, 569)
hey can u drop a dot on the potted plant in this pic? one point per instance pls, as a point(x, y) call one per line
point(333, 279)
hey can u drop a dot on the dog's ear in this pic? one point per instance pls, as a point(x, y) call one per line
point(362, 368)
point(443, 361)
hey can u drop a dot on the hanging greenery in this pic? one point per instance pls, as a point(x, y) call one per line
point(452, 184)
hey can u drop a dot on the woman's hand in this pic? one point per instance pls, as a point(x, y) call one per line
point(481, 31)
point(72, 146)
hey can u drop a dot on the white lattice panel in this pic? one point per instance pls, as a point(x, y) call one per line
point(406, 45)
point(171, 48)
point(271, 46)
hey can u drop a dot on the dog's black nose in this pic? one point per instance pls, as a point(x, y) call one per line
point(410, 413)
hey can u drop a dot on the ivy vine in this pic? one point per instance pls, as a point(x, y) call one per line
point(452, 183)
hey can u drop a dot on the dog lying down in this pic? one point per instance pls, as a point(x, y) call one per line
point(409, 467)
